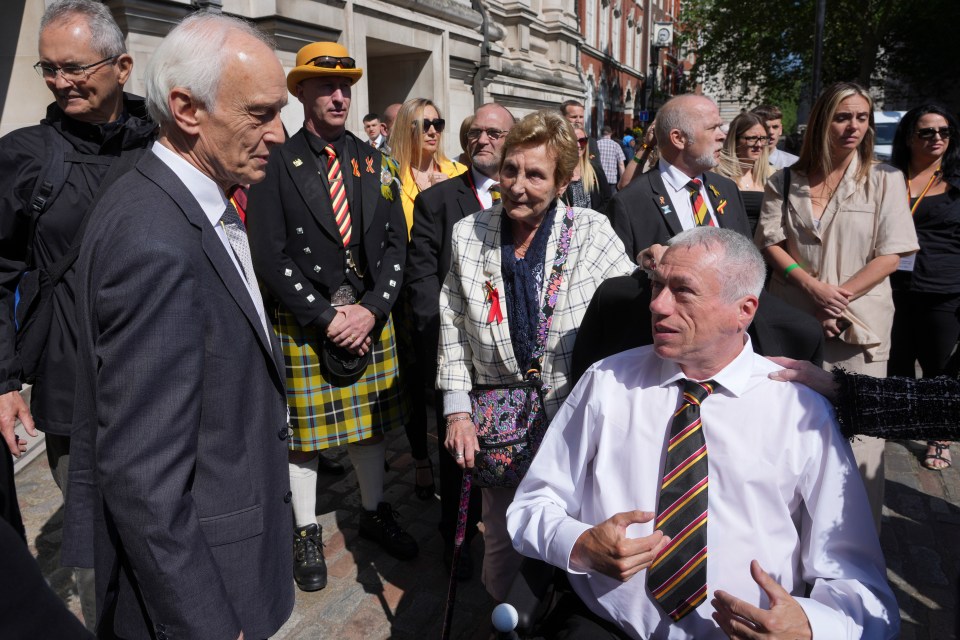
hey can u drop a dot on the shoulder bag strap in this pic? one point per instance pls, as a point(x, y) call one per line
point(118, 166)
point(550, 297)
point(52, 176)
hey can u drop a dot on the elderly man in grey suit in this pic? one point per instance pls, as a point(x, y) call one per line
point(180, 480)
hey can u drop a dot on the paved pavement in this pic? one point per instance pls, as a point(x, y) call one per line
point(370, 595)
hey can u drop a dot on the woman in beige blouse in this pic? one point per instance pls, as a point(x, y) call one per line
point(833, 244)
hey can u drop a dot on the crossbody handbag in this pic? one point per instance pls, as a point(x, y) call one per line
point(510, 419)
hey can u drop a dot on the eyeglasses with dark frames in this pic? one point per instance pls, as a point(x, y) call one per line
point(755, 140)
point(927, 133)
point(332, 62)
point(71, 72)
point(438, 124)
point(493, 134)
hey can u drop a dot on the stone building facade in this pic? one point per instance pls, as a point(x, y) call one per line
point(459, 53)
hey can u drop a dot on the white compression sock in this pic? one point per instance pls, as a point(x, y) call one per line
point(303, 486)
point(368, 462)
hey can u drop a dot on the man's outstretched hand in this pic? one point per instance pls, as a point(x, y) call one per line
point(784, 620)
point(606, 548)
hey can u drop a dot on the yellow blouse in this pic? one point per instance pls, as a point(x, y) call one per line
point(409, 189)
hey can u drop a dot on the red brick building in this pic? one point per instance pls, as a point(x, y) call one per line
point(617, 61)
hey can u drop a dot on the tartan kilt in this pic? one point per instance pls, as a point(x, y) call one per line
point(323, 415)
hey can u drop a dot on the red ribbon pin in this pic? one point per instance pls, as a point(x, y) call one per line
point(494, 297)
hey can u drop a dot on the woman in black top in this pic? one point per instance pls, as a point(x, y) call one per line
point(745, 159)
point(927, 290)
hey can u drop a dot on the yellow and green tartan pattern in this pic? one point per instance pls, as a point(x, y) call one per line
point(323, 415)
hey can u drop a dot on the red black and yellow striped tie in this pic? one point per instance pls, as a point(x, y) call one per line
point(338, 195)
point(677, 579)
point(700, 212)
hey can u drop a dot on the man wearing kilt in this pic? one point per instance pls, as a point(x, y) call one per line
point(328, 240)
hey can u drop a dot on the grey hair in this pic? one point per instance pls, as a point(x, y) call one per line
point(742, 269)
point(192, 56)
point(675, 115)
point(105, 36)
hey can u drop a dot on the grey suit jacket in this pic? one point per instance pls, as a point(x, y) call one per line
point(179, 490)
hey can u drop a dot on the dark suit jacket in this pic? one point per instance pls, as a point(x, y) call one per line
point(296, 247)
point(29, 608)
point(618, 319)
point(435, 211)
point(640, 219)
point(178, 477)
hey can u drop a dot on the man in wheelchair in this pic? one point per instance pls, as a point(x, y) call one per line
point(687, 495)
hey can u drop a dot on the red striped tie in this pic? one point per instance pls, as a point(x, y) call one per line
point(700, 212)
point(677, 579)
point(338, 195)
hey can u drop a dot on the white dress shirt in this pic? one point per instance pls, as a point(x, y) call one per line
point(213, 202)
point(784, 490)
point(780, 158)
point(676, 182)
point(482, 186)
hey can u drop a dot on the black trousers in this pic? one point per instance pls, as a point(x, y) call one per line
point(9, 508)
point(926, 327)
point(571, 619)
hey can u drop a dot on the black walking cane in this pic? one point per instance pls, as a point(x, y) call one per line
point(457, 548)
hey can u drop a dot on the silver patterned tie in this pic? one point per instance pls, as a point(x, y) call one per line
point(237, 235)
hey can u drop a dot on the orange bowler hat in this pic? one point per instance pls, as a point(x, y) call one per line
point(322, 59)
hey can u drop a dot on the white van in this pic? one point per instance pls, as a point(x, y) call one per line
point(886, 125)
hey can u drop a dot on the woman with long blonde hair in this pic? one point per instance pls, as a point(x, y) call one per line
point(586, 189)
point(833, 228)
point(416, 146)
point(745, 159)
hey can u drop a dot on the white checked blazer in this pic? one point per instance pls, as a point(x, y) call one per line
point(475, 351)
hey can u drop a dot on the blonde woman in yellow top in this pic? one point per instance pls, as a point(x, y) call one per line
point(415, 144)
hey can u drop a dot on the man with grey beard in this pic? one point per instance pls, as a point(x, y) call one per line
point(681, 193)
point(435, 211)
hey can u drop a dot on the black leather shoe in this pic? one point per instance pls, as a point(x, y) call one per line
point(381, 527)
point(329, 467)
point(465, 566)
point(309, 568)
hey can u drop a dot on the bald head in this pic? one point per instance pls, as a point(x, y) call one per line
point(389, 115)
point(486, 136)
point(688, 133)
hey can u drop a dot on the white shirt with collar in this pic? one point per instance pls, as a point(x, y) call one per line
point(676, 182)
point(780, 158)
point(482, 186)
point(784, 490)
point(213, 203)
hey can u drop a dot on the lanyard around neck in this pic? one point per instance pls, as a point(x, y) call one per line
point(933, 178)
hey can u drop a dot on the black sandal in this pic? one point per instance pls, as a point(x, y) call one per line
point(940, 448)
point(425, 491)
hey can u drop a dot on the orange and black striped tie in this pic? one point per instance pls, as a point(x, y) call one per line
point(700, 212)
point(338, 195)
point(677, 579)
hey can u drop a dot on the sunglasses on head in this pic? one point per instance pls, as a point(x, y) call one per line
point(582, 142)
point(332, 62)
point(928, 133)
point(437, 124)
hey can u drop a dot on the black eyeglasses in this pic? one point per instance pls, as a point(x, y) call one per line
point(332, 62)
point(928, 133)
point(582, 141)
point(71, 72)
point(755, 140)
point(437, 124)
point(493, 134)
